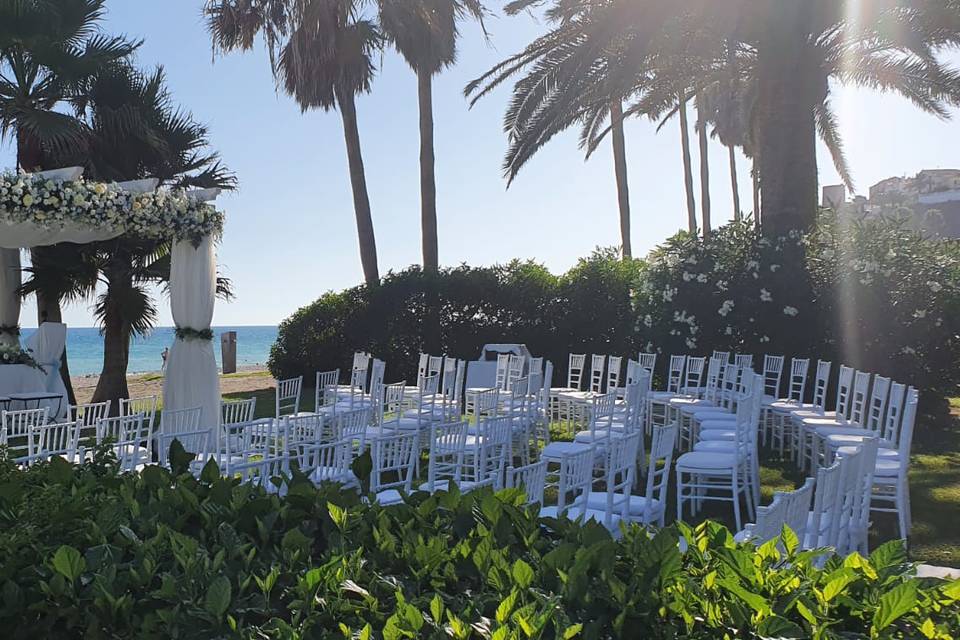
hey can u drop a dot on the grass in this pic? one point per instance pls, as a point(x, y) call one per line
point(934, 486)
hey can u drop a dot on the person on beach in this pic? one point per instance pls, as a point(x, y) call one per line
point(163, 356)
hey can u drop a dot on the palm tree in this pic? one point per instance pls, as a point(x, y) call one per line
point(792, 52)
point(704, 163)
point(687, 165)
point(425, 33)
point(48, 53)
point(135, 132)
point(574, 30)
point(321, 53)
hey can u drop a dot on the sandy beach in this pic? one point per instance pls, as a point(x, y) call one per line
point(151, 384)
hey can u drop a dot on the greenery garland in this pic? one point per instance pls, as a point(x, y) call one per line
point(188, 333)
point(167, 214)
point(12, 330)
point(10, 354)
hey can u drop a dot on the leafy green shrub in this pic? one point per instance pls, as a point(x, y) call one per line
point(85, 552)
point(872, 294)
point(461, 309)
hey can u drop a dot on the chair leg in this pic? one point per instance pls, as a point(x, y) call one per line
point(736, 501)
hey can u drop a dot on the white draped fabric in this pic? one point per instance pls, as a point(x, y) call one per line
point(28, 234)
point(47, 346)
point(9, 300)
point(191, 379)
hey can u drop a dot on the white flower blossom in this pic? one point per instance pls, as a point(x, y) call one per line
point(920, 314)
point(725, 308)
point(934, 286)
point(790, 311)
point(765, 296)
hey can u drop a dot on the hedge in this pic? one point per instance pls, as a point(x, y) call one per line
point(873, 294)
point(85, 552)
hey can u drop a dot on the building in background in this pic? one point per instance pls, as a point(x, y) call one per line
point(930, 199)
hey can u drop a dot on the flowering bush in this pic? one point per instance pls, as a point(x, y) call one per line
point(50, 204)
point(872, 294)
point(15, 355)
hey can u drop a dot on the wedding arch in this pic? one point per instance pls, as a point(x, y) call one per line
point(49, 207)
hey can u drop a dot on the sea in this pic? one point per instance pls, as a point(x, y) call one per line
point(85, 348)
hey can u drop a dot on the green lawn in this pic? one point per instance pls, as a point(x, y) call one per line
point(934, 487)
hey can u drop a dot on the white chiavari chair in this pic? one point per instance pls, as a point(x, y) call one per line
point(531, 478)
point(287, 398)
point(18, 430)
point(393, 459)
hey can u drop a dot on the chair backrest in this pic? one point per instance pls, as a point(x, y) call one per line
point(821, 384)
point(844, 391)
point(601, 411)
point(180, 420)
point(894, 416)
point(620, 466)
point(576, 479)
point(235, 411)
point(503, 364)
point(393, 461)
point(288, 396)
point(575, 365)
point(518, 397)
point(88, 413)
point(535, 365)
point(435, 365)
point(634, 399)
point(351, 426)
point(694, 377)
point(712, 382)
point(675, 373)
point(797, 383)
point(722, 356)
point(146, 406)
point(662, 443)
point(325, 389)
point(770, 520)
point(197, 442)
point(614, 364)
point(648, 361)
point(458, 382)
point(545, 390)
point(132, 438)
point(772, 373)
point(308, 429)
point(327, 462)
point(486, 402)
point(862, 492)
point(729, 385)
point(798, 507)
point(743, 360)
point(422, 366)
point(877, 407)
point(446, 452)
point(597, 365)
point(57, 439)
point(18, 430)
point(361, 360)
point(532, 478)
point(858, 401)
point(827, 505)
point(906, 428)
point(392, 403)
point(493, 446)
point(515, 365)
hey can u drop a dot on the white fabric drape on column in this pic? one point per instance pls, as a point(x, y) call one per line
point(9, 300)
point(47, 345)
point(27, 234)
point(191, 379)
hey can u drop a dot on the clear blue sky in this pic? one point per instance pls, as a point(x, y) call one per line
point(291, 233)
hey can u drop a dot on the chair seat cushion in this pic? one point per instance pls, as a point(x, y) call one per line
point(332, 474)
point(687, 402)
point(836, 440)
point(637, 506)
point(840, 430)
point(712, 413)
point(661, 396)
point(556, 450)
point(722, 435)
point(586, 436)
point(788, 406)
point(706, 460)
point(388, 497)
point(882, 453)
point(444, 485)
point(723, 423)
point(716, 446)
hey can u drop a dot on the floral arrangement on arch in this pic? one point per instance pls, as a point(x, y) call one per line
point(12, 354)
point(162, 214)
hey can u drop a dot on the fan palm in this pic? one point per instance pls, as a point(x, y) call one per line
point(425, 33)
point(791, 51)
point(48, 53)
point(134, 131)
point(321, 53)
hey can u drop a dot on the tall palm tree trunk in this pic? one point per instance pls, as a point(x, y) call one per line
point(704, 165)
point(786, 91)
point(687, 166)
point(755, 179)
point(428, 180)
point(30, 158)
point(620, 167)
point(112, 384)
point(734, 185)
point(358, 182)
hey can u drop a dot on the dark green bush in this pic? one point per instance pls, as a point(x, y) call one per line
point(587, 309)
point(85, 552)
